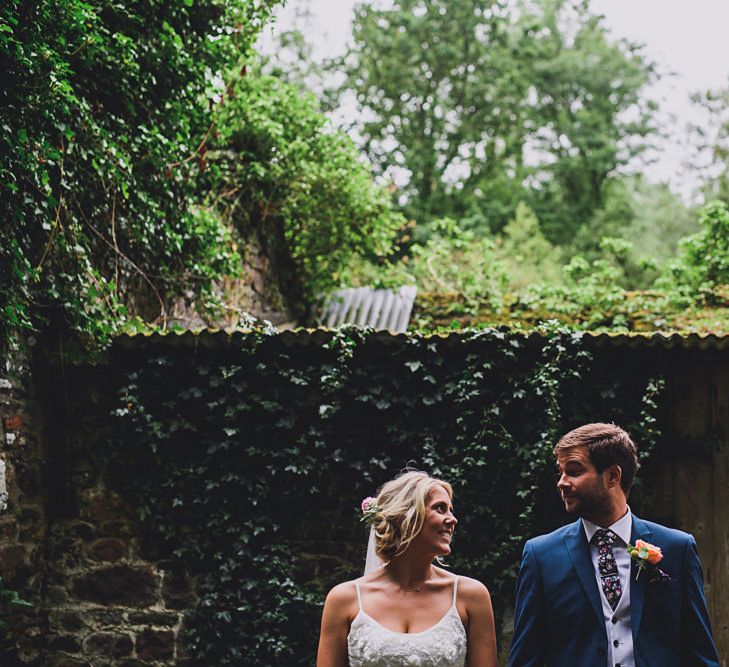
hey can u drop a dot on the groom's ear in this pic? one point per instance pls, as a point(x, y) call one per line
point(614, 475)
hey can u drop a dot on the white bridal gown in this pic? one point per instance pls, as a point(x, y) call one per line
point(369, 644)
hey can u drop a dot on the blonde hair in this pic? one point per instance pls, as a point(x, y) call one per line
point(401, 511)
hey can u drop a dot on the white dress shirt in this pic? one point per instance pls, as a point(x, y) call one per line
point(617, 623)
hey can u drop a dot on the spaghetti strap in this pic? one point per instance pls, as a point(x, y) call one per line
point(455, 589)
point(359, 595)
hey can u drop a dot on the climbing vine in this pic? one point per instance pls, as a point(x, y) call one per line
point(254, 452)
point(105, 109)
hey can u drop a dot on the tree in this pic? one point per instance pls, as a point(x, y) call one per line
point(479, 105)
point(439, 99)
point(589, 118)
point(711, 161)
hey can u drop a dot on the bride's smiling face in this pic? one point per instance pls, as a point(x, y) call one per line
point(439, 523)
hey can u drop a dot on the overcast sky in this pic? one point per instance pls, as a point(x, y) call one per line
point(685, 38)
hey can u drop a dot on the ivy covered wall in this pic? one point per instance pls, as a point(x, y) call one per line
point(198, 494)
point(259, 448)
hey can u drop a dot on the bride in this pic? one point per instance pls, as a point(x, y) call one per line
point(409, 611)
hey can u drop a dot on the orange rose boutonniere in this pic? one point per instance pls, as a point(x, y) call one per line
point(643, 554)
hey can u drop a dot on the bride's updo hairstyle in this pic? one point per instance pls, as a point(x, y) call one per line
point(401, 511)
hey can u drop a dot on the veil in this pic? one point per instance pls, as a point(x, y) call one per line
point(372, 562)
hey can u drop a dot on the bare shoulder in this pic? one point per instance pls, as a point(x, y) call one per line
point(342, 596)
point(473, 591)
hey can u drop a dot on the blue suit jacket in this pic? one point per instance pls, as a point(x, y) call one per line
point(559, 620)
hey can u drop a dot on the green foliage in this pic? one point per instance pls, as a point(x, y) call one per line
point(250, 459)
point(589, 292)
point(286, 174)
point(649, 216)
point(585, 84)
point(473, 267)
point(529, 256)
point(104, 110)
point(710, 139)
point(703, 262)
point(481, 105)
point(452, 261)
point(516, 277)
point(9, 599)
point(430, 79)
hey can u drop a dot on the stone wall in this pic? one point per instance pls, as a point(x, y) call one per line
point(23, 528)
point(102, 595)
point(258, 292)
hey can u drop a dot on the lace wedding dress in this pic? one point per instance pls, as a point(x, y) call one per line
point(370, 644)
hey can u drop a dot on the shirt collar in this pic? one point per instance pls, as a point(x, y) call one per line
point(622, 527)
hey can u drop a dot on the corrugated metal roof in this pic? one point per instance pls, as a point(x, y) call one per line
point(691, 341)
point(381, 309)
point(219, 337)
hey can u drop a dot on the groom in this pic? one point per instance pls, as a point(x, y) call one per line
point(582, 600)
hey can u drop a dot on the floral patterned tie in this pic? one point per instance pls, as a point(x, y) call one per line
point(604, 539)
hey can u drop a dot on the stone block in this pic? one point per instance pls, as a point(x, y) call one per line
point(164, 618)
point(105, 617)
point(13, 558)
point(118, 584)
point(83, 530)
point(66, 552)
point(13, 423)
point(32, 524)
point(65, 661)
point(118, 528)
point(109, 549)
point(66, 620)
point(98, 506)
point(8, 529)
point(108, 645)
point(57, 595)
point(65, 643)
point(177, 590)
point(155, 644)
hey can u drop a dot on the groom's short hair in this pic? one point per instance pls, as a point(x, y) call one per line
point(607, 445)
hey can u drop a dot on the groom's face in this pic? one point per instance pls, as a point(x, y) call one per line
point(582, 488)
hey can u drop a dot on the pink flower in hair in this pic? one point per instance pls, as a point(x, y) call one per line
point(368, 502)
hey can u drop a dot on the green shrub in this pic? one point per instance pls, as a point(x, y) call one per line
point(288, 175)
point(104, 111)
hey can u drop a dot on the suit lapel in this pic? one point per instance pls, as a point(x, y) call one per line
point(579, 551)
point(639, 531)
